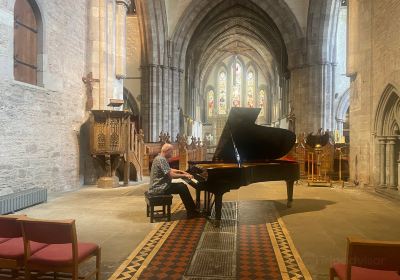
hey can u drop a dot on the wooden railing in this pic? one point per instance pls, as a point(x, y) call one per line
point(135, 151)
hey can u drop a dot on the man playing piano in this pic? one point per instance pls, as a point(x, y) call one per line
point(161, 176)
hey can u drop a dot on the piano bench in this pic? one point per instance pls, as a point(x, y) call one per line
point(164, 200)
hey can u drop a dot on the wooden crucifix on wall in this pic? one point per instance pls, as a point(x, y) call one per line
point(88, 81)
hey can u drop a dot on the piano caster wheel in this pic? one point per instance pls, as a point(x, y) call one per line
point(289, 204)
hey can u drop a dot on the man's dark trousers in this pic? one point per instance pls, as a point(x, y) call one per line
point(183, 191)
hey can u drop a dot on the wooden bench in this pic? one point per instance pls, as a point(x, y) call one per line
point(158, 200)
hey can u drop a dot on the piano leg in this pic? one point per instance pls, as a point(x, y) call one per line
point(198, 193)
point(218, 209)
point(207, 203)
point(289, 186)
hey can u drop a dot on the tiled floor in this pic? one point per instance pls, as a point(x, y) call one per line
point(239, 249)
point(318, 222)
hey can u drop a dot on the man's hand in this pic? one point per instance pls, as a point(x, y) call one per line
point(189, 176)
point(176, 173)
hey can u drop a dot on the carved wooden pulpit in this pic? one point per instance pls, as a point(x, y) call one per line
point(109, 139)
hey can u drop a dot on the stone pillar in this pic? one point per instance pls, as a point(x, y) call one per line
point(145, 102)
point(311, 89)
point(285, 96)
point(150, 102)
point(391, 141)
point(174, 103)
point(93, 55)
point(398, 169)
point(339, 126)
point(382, 161)
point(155, 127)
point(109, 50)
point(165, 100)
point(159, 105)
point(120, 52)
point(176, 99)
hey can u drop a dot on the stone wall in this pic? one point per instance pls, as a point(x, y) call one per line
point(133, 50)
point(374, 63)
point(39, 126)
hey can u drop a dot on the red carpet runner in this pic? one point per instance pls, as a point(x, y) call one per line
point(247, 246)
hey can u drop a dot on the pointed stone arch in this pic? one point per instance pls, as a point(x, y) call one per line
point(341, 110)
point(386, 126)
point(388, 110)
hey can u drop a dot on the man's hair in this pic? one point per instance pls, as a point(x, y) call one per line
point(166, 147)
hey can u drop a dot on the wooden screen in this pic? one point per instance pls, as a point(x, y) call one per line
point(25, 43)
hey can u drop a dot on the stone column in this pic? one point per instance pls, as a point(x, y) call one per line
point(313, 99)
point(398, 169)
point(391, 141)
point(159, 107)
point(284, 96)
point(93, 55)
point(145, 102)
point(102, 47)
point(120, 52)
point(173, 77)
point(339, 126)
point(165, 100)
point(382, 161)
point(150, 102)
point(177, 75)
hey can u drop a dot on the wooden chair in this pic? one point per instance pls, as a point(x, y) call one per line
point(12, 244)
point(62, 253)
point(369, 260)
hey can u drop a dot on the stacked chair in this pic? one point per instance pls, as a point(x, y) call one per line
point(44, 246)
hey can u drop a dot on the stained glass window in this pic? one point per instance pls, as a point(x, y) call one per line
point(261, 102)
point(210, 103)
point(237, 85)
point(222, 93)
point(250, 89)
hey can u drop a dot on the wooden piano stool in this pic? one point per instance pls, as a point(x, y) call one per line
point(158, 200)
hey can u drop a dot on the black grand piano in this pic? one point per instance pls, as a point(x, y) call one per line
point(246, 153)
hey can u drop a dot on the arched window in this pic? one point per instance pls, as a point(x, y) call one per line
point(210, 103)
point(237, 85)
point(222, 93)
point(25, 42)
point(261, 102)
point(250, 89)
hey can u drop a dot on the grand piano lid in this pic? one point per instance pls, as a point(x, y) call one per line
point(253, 142)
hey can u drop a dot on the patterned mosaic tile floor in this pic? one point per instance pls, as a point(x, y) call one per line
point(251, 243)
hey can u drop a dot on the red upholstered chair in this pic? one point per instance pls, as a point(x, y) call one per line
point(12, 244)
point(369, 260)
point(63, 253)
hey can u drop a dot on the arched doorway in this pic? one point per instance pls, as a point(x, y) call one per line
point(387, 135)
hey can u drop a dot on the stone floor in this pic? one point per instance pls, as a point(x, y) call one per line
point(318, 222)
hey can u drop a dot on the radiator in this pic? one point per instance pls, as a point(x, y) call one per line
point(16, 201)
